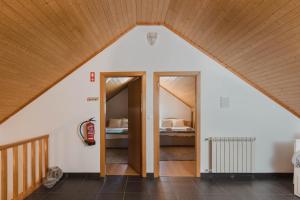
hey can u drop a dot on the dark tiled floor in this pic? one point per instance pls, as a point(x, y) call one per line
point(86, 187)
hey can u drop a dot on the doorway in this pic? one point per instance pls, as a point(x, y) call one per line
point(123, 123)
point(176, 123)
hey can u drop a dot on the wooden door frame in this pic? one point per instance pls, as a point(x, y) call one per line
point(156, 78)
point(103, 76)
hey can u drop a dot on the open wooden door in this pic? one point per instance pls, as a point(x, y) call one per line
point(135, 125)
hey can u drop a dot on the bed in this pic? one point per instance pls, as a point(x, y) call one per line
point(116, 137)
point(117, 133)
point(184, 131)
point(176, 132)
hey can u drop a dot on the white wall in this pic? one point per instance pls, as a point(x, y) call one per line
point(117, 107)
point(171, 107)
point(62, 108)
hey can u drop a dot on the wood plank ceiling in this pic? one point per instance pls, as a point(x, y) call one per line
point(115, 85)
point(42, 41)
point(182, 87)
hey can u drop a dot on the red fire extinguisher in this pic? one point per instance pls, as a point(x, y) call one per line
point(88, 135)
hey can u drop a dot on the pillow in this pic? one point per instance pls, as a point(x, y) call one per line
point(115, 123)
point(124, 123)
point(178, 122)
point(166, 123)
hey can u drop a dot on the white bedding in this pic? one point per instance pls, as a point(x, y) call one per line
point(116, 130)
point(184, 131)
point(182, 128)
point(178, 134)
point(116, 133)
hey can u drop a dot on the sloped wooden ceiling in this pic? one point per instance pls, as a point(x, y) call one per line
point(182, 87)
point(42, 41)
point(115, 85)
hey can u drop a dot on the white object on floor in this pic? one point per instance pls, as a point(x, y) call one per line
point(54, 174)
point(297, 172)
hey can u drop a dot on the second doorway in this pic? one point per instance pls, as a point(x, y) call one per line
point(176, 124)
point(122, 123)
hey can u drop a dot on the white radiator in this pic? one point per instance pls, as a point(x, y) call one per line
point(231, 154)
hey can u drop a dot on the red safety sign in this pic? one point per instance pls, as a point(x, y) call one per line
point(92, 76)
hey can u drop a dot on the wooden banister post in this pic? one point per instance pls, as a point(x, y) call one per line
point(36, 177)
point(25, 169)
point(40, 160)
point(46, 149)
point(3, 174)
point(15, 172)
point(33, 166)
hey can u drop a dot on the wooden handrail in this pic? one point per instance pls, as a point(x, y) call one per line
point(38, 172)
point(7, 146)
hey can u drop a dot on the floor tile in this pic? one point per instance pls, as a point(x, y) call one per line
point(209, 187)
point(68, 196)
point(68, 186)
point(207, 197)
point(79, 187)
point(143, 196)
point(140, 187)
point(36, 196)
point(91, 186)
point(114, 184)
point(111, 196)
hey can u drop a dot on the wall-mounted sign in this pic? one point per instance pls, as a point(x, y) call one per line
point(224, 102)
point(92, 76)
point(92, 99)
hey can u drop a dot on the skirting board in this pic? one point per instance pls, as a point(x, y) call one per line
point(203, 175)
point(150, 175)
point(246, 175)
point(92, 175)
point(95, 175)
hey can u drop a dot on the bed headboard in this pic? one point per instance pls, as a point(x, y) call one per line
point(187, 123)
